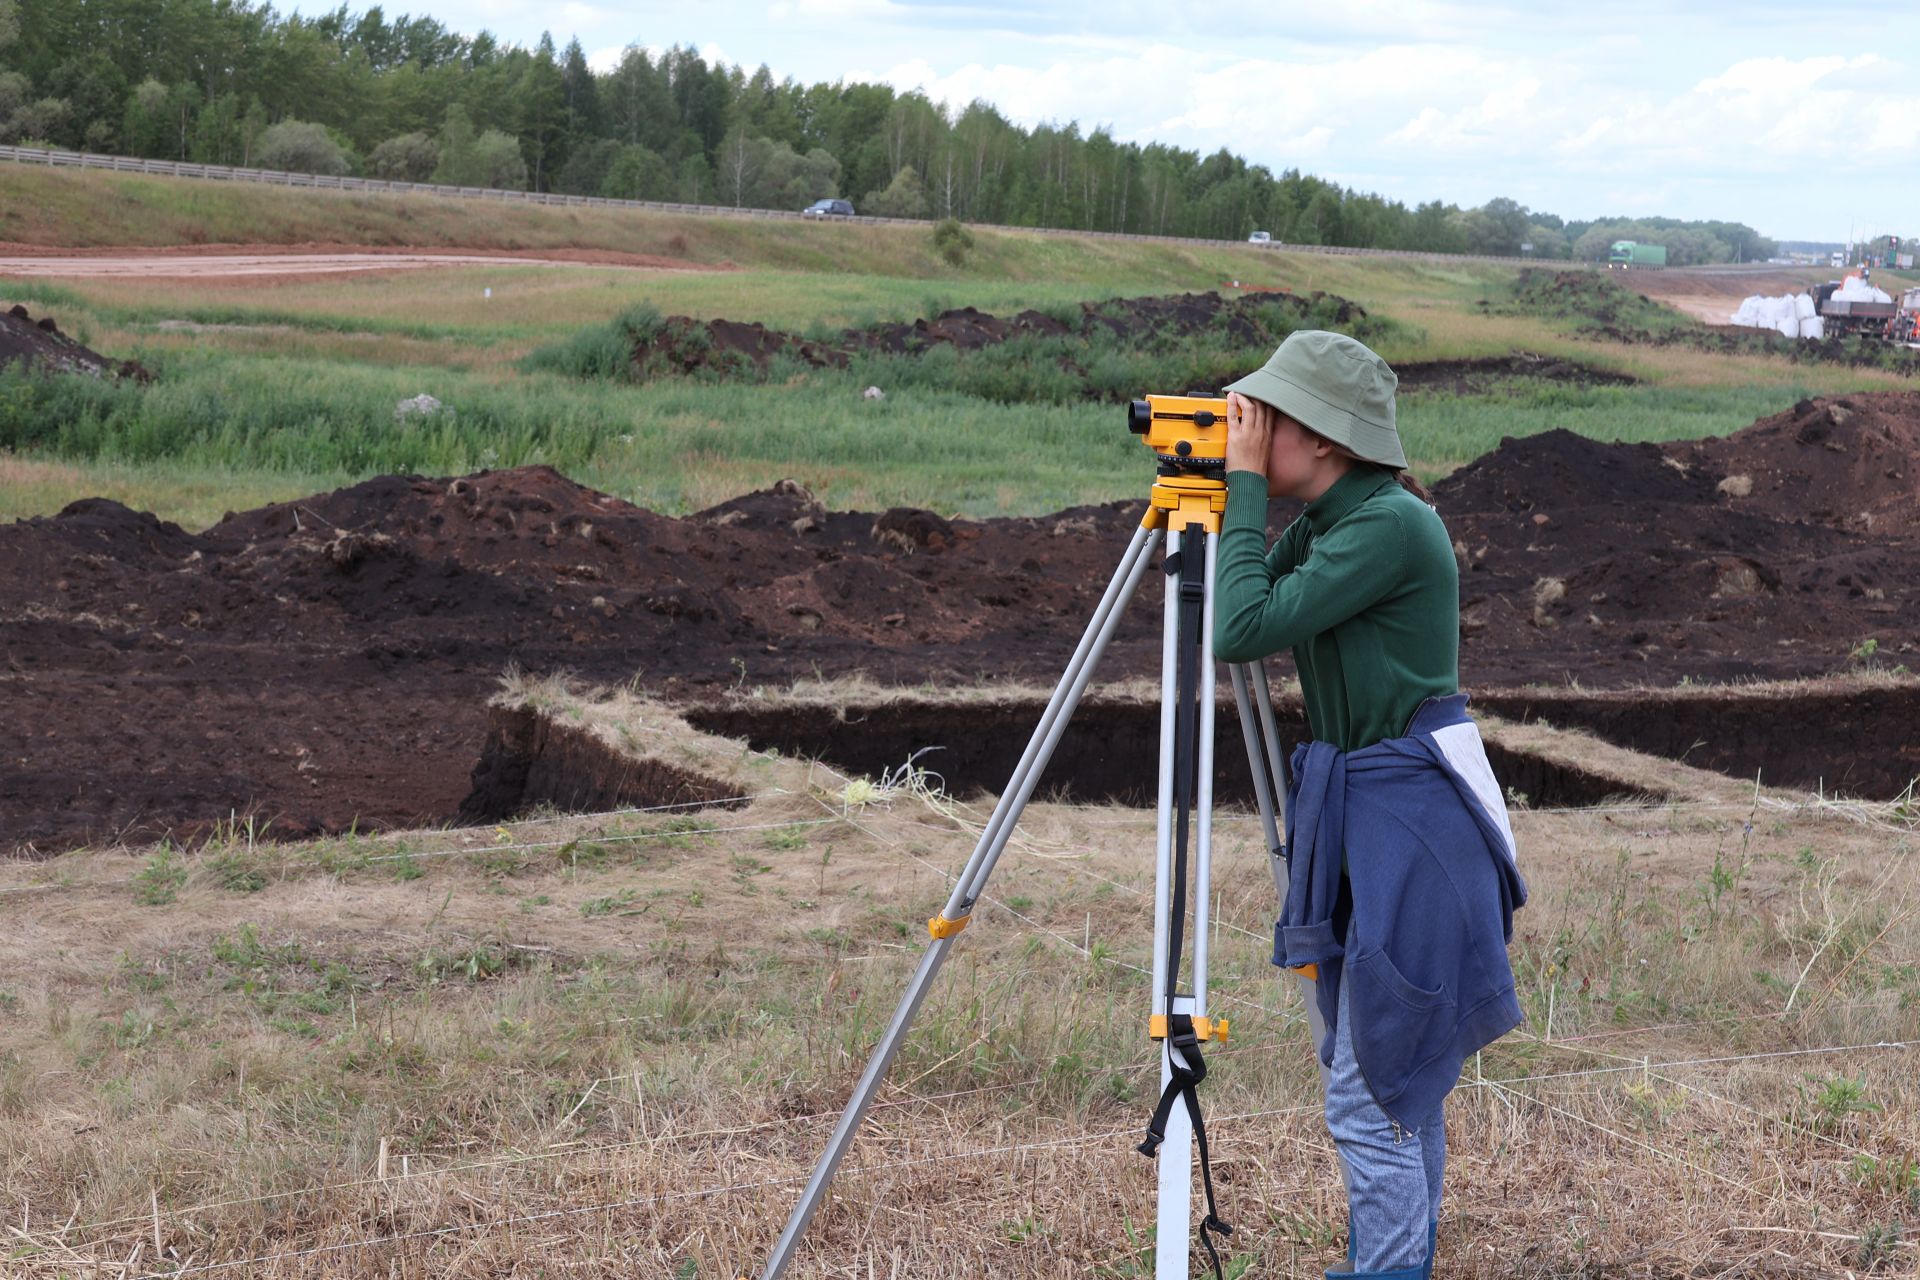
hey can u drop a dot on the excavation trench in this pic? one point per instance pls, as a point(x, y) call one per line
point(1805, 736)
point(1109, 751)
point(1840, 737)
point(530, 761)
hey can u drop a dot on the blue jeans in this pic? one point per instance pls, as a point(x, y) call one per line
point(1393, 1173)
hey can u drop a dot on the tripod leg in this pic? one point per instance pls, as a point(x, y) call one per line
point(970, 884)
point(1173, 1237)
point(1186, 790)
point(1267, 763)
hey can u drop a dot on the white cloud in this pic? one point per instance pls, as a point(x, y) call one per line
point(833, 10)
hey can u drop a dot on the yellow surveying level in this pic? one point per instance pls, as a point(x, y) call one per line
point(1187, 433)
point(1188, 436)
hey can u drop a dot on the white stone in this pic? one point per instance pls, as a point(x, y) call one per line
point(421, 406)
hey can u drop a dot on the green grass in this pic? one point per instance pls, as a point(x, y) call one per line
point(265, 394)
point(220, 433)
point(674, 447)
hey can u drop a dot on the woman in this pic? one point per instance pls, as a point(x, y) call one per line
point(1402, 874)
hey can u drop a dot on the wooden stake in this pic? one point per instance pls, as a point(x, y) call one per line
point(153, 1195)
point(380, 1170)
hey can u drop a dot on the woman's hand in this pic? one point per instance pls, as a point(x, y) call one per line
point(1249, 433)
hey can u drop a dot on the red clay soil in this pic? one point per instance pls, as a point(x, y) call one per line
point(40, 345)
point(325, 662)
point(589, 257)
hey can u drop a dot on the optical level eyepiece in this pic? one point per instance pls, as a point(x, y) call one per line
point(1187, 434)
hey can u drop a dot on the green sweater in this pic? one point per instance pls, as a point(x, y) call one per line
point(1363, 587)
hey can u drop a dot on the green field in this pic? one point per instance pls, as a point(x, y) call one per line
point(266, 393)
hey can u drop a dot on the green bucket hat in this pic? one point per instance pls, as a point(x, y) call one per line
point(1336, 388)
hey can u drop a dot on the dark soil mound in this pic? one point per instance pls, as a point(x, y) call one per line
point(39, 344)
point(682, 345)
point(965, 328)
point(1557, 470)
point(1773, 552)
point(326, 661)
point(1484, 376)
point(1846, 462)
point(730, 346)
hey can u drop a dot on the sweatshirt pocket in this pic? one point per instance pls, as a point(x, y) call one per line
point(1397, 1027)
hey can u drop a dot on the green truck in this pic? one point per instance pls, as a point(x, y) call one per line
point(1627, 253)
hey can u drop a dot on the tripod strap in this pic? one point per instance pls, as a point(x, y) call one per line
point(1186, 1067)
point(1188, 1070)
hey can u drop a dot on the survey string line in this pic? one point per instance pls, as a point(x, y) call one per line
point(1497, 1087)
point(1616, 1032)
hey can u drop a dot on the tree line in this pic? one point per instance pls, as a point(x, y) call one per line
point(235, 82)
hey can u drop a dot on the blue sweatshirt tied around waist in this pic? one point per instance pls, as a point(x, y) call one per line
point(1419, 922)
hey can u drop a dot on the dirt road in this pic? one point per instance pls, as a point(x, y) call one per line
point(1712, 296)
point(251, 260)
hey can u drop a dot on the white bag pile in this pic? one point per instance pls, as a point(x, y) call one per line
point(1854, 289)
point(1791, 314)
point(1795, 315)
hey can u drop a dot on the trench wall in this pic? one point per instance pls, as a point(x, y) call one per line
point(529, 760)
point(1109, 752)
point(1860, 741)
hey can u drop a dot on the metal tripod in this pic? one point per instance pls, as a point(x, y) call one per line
point(1186, 511)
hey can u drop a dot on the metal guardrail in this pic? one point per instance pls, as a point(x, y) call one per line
point(328, 182)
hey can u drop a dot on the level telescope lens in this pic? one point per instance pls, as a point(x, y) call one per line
point(1139, 417)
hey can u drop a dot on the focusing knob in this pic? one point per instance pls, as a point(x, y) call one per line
point(1183, 448)
point(1204, 417)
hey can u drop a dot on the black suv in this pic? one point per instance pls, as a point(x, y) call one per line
point(828, 209)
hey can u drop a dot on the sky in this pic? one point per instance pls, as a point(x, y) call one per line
point(1801, 120)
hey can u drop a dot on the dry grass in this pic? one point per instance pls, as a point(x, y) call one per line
point(608, 1046)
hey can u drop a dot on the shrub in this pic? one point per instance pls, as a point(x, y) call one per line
point(636, 174)
point(411, 157)
point(158, 882)
point(604, 351)
point(299, 146)
point(904, 197)
point(498, 158)
point(952, 240)
point(36, 123)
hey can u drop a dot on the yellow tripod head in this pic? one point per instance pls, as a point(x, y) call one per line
point(1188, 436)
